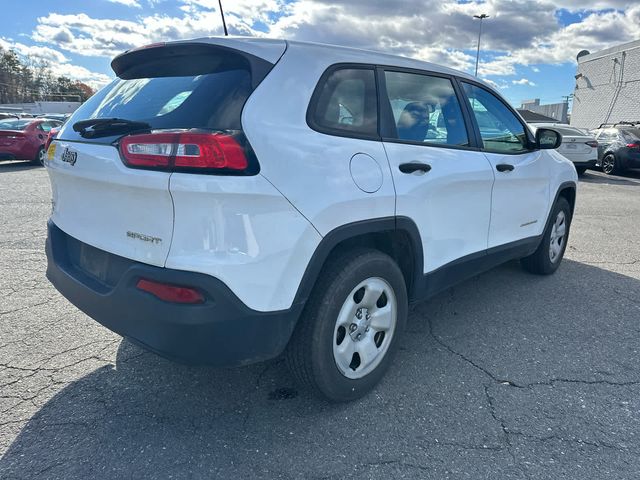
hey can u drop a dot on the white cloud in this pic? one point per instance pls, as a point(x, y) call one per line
point(517, 33)
point(523, 81)
point(128, 3)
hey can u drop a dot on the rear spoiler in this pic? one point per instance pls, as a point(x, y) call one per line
point(187, 58)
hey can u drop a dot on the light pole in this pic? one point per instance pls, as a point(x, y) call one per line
point(224, 24)
point(481, 17)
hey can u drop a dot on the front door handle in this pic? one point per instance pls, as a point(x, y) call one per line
point(414, 167)
point(504, 167)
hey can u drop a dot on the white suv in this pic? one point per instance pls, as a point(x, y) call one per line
point(227, 200)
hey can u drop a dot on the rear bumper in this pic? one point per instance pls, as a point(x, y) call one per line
point(586, 164)
point(221, 331)
point(17, 152)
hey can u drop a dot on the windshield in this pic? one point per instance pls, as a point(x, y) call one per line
point(14, 124)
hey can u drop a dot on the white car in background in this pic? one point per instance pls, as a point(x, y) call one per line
point(577, 145)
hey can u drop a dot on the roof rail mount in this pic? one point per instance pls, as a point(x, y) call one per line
point(624, 122)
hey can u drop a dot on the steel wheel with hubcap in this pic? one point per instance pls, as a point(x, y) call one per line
point(558, 231)
point(364, 327)
point(346, 336)
point(547, 257)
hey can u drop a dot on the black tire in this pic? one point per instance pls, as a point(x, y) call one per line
point(310, 355)
point(610, 164)
point(39, 158)
point(540, 261)
point(581, 170)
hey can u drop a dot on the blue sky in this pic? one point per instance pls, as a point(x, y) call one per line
point(528, 46)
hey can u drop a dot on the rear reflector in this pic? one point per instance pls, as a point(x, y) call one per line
point(183, 151)
point(592, 143)
point(171, 293)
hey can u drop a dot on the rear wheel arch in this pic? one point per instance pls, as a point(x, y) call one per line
point(397, 237)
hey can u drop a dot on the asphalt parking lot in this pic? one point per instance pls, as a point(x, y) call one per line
point(508, 375)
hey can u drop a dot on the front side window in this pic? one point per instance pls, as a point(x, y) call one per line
point(346, 102)
point(500, 129)
point(425, 109)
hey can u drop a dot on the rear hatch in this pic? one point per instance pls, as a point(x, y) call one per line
point(111, 163)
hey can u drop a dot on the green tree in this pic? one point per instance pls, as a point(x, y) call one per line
point(25, 79)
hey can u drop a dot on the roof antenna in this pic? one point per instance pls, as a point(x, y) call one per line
point(224, 24)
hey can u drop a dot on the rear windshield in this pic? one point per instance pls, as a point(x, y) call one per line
point(213, 100)
point(204, 91)
point(568, 131)
point(631, 134)
point(14, 124)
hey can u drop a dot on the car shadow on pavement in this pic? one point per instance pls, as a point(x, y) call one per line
point(629, 177)
point(16, 166)
point(441, 403)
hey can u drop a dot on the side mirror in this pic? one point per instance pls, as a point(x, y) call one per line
point(547, 139)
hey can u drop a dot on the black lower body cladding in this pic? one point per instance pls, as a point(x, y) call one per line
point(221, 331)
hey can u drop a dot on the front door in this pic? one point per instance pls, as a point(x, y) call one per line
point(520, 199)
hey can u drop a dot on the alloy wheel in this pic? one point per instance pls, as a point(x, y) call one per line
point(608, 164)
point(42, 155)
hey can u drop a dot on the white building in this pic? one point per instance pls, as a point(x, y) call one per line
point(37, 108)
point(607, 86)
point(559, 111)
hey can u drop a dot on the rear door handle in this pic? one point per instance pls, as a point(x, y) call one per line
point(504, 167)
point(414, 167)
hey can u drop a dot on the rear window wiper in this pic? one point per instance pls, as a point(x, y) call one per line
point(101, 127)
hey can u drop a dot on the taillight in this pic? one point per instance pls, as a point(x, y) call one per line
point(52, 134)
point(171, 293)
point(184, 151)
point(633, 145)
point(592, 143)
point(13, 136)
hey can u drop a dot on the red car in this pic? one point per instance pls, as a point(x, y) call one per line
point(24, 138)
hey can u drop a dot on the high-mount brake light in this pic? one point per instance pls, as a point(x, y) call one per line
point(183, 151)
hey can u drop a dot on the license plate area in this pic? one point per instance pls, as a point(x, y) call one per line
point(94, 262)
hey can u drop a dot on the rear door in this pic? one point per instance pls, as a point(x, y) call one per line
point(101, 196)
point(443, 182)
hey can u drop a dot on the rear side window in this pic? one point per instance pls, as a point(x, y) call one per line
point(345, 103)
point(425, 109)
